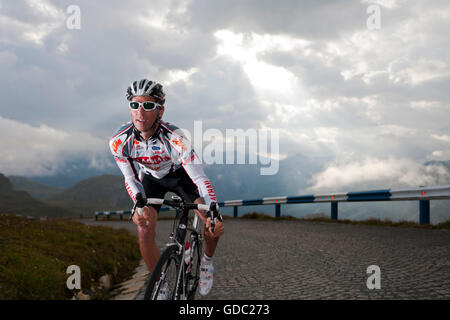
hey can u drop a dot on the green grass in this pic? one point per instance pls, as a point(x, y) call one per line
point(35, 256)
point(263, 216)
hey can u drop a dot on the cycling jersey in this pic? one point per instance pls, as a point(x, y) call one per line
point(166, 151)
point(177, 182)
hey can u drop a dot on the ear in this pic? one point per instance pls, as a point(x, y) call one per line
point(161, 111)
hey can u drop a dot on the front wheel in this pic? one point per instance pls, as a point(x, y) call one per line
point(165, 272)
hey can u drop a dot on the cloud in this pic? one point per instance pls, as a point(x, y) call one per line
point(378, 173)
point(32, 24)
point(310, 19)
point(350, 98)
point(43, 150)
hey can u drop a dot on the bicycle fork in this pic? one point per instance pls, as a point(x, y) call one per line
point(185, 268)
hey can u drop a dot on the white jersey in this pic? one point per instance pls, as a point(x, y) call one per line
point(166, 151)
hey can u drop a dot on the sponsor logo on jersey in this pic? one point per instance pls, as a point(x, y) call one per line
point(130, 192)
point(156, 148)
point(210, 190)
point(180, 144)
point(120, 159)
point(116, 144)
point(137, 144)
point(153, 160)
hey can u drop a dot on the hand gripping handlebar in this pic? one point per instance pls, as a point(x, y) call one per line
point(177, 203)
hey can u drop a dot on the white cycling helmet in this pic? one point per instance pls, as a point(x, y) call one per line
point(147, 88)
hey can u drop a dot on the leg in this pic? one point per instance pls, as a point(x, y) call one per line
point(147, 242)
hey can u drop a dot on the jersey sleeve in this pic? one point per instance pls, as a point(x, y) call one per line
point(126, 166)
point(193, 167)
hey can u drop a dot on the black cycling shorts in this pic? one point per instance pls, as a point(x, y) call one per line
point(177, 182)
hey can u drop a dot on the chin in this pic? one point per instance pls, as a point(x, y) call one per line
point(143, 128)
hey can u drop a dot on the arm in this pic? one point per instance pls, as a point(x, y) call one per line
point(125, 164)
point(198, 176)
point(132, 183)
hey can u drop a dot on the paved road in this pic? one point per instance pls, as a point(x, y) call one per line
point(312, 260)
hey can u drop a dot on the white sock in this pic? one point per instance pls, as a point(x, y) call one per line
point(206, 259)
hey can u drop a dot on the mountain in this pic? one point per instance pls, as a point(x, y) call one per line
point(36, 190)
point(233, 182)
point(20, 202)
point(435, 162)
point(76, 170)
point(101, 193)
point(245, 181)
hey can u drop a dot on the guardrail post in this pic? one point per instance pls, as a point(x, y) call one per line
point(235, 211)
point(424, 206)
point(334, 210)
point(277, 210)
point(121, 217)
point(96, 218)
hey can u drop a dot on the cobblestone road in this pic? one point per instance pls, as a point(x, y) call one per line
point(312, 260)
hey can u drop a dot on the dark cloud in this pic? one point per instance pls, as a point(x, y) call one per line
point(305, 19)
point(356, 94)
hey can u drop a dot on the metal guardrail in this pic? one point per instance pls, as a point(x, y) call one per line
point(421, 194)
point(120, 213)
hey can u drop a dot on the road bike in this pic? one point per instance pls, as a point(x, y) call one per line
point(178, 268)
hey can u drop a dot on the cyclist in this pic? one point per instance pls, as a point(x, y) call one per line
point(167, 163)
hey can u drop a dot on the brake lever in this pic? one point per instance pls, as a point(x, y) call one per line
point(214, 212)
point(133, 210)
point(212, 221)
point(139, 198)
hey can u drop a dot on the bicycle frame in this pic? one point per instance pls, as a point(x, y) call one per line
point(176, 254)
point(178, 237)
point(179, 240)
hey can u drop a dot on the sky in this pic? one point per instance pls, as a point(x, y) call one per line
point(360, 89)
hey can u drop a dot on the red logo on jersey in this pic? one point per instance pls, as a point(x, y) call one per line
point(154, 160)
point(180, 144)
point(116, 144)
point(210, 190)
point(120, 160)
point(130, 192)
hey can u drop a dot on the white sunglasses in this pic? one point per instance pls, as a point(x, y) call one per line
point(146, 105)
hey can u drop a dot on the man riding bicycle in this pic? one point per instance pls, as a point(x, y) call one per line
point(167, 163)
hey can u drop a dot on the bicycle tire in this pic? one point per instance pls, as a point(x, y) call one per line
point(194, 274)
point(164, 266)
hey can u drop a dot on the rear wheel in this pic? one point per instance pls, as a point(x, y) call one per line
point(165, 271)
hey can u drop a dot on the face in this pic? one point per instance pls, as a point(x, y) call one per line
point(143, 120)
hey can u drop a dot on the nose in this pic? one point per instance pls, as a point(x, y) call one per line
point(141, 110)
